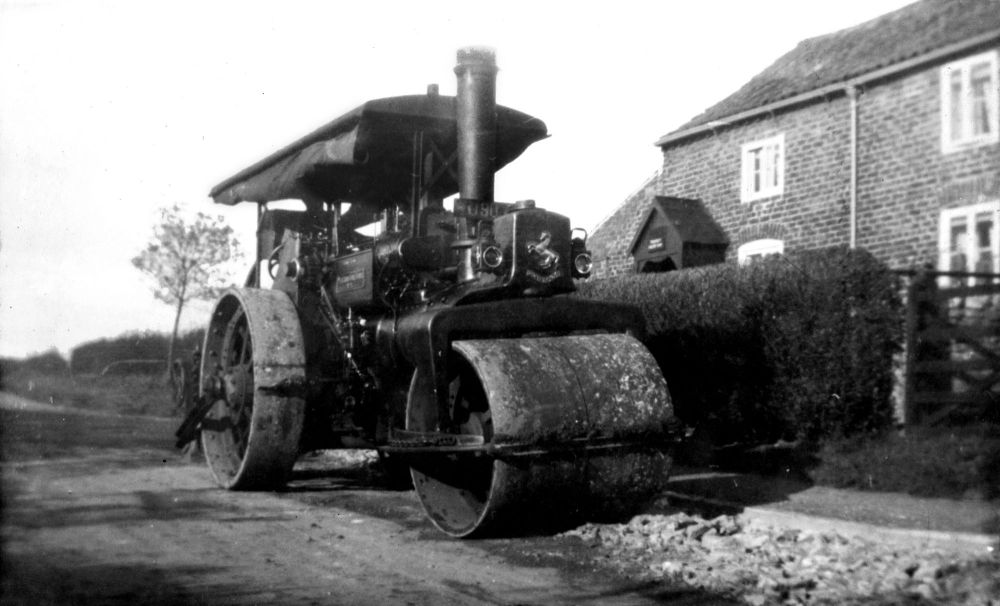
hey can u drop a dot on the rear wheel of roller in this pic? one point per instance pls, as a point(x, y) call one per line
point(251, 434)
point(540, 395)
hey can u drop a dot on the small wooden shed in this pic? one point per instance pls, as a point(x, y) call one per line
point(677, 233)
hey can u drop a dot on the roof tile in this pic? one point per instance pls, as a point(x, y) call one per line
point(911, 31)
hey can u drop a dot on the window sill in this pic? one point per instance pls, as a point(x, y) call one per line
point(761, 198)
point(953, 148)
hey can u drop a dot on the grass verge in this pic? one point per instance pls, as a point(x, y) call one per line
point(950, 462)
point(124, 394)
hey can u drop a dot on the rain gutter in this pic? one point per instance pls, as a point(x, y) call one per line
point(852, 95)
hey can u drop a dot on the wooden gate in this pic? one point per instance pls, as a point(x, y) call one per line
point(952, 345)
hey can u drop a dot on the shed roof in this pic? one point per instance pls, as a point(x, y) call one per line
point(909, 32)
point(690, 218)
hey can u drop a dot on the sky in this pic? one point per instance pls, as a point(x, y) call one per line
point(110, 111)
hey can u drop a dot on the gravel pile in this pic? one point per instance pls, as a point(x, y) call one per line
point(759, 564)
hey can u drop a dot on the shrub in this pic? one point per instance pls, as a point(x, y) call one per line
point(794, 347)
point(50, 362)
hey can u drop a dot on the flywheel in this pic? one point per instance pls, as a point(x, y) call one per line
point(253, 362)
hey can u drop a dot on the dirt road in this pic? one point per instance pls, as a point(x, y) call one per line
point(100, 509)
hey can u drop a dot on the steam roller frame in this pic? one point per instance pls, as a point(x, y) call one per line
point(545, 432)
point(252, 359)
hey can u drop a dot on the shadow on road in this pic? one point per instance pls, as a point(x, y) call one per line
point(745, 489)
point(62, 579)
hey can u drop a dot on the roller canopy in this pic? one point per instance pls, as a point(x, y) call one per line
point(366, 155)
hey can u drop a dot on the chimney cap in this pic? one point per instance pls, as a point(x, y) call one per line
point(477, 55)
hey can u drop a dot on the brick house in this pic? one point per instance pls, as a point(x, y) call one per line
point(882, 136)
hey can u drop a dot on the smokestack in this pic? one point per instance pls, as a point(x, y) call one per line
point(476, 122)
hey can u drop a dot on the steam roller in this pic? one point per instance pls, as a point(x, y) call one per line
point(550, 431)
point(440, 330)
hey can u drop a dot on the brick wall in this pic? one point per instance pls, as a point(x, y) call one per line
point(609, 243)
point(904, 180)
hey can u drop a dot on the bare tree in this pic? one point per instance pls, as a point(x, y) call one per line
point(187, 260)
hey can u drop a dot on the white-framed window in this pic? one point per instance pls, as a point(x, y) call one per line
point(970, 102)
point(969, 239)
point(763, 169)
point(758, 249)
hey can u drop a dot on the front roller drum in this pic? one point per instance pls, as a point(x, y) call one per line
point(573, 429)
point(252, 361)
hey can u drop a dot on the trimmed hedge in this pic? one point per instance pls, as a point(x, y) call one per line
point(93, 356)
point(794, 347)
